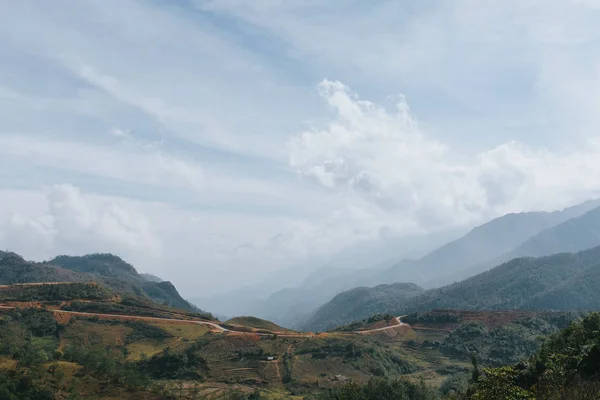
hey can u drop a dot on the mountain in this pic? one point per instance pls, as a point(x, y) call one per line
point(470, 254)
point(122, 277)
point(559, 282)
point(574, 235)
point(483, 246)
point(290, 295)
point(14, 269)
point(359, 303)
point(107, 269)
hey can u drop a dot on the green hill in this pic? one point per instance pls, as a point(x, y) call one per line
point(257, 323)
point(359, 303)
point(123, 277)
point(14, 269)
point(107, 269)
point(559, 282)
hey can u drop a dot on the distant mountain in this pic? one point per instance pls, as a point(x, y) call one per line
point(562, 282)
point(107, 269)
point(290, 295)
point(574, 235)
point(482, 247)
point(359, 303)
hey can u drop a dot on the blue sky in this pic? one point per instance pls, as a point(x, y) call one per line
point(213, 142)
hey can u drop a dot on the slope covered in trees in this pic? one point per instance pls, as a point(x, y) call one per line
point(359, 303)
point(106, 269)
point(559, 282)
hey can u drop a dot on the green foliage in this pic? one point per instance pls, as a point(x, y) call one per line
point(432, 318)
point(287, 368)
point(500, 384)
point(15, 385)
point(378, 389)
point(21, 336)
point(454, 385)
point(507, 344)
point(49, 292)
point(142, 331)
point(567, 366)
point(357, 325)
point(106, 363)
point(188, 364)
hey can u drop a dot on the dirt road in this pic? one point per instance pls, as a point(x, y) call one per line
point(397, 323)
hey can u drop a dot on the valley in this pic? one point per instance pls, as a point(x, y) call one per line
point(240, 355)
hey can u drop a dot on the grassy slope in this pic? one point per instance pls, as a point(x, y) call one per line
point(253, 322)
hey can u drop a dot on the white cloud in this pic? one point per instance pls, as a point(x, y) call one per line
point(383, 157)
point(66, 220)
point(130, 161)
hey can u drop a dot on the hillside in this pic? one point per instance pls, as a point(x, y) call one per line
point(559, 282)
point(359, 303)
point(14, 269)
point(106, 269)
point(255, 324)
point(122, 277)
point(146, 351)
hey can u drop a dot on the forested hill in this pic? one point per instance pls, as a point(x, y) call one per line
point(359, 303)
point(106, 269)
point(560, 282)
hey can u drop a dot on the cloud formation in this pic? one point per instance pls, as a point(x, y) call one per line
point(194, 138)
point(383, 157)
point(71, 220)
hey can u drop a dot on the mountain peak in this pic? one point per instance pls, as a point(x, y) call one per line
point(103, 264)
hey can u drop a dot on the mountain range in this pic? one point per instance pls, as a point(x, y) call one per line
point(561, 282)
point(481, 248)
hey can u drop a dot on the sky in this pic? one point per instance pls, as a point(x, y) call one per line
point(217, 142)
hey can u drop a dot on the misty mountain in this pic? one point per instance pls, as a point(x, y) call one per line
point(368, 264)
point(576, 234)
point(561, 282)
point(483, 246)
point(290, 295)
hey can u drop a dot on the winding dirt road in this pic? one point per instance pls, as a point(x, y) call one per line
point(215, 326)
point(398, 323)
